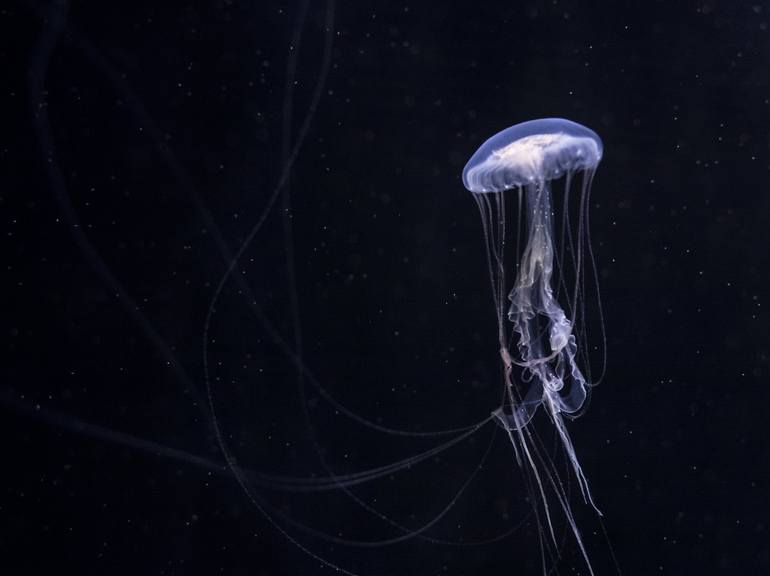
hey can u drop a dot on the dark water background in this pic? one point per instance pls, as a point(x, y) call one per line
point(141, 141)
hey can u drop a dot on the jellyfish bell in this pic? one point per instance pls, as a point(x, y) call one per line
point(537, 150)
point(542, 334)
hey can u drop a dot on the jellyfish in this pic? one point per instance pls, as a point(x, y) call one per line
point(539, 340)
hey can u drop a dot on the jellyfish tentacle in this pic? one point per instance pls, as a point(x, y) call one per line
point(536, 316)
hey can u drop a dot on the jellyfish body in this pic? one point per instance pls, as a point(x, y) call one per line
point(538, 338)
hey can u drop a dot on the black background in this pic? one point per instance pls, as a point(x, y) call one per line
point(141, 142)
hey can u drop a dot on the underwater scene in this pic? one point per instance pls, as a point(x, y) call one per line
point(369, 288)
